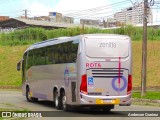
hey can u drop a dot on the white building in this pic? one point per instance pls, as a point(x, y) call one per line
point(68, 19)
point(120, 16)
point(55, 17)
point(133, 15)
point(58, 17)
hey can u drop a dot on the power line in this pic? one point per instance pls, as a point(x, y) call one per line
point(7, 1)
point(97, 8)
point(10, 12)
point(99, 12)
point(93, 12)
point(110, 13)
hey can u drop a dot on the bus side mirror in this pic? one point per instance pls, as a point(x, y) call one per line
point(19, 65)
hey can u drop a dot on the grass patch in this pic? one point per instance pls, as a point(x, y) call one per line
point(7, 109)
point(153, 63)
point(9, 56)
point(11, 107)
point(152, 95)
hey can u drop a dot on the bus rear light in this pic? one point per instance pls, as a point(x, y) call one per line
point(83, 87)
point(129, 84)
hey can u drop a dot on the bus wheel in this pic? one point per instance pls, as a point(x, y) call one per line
point(56, 100)
point(34, 99)
point(28, 96)
point(108, 108)
point(63, 100)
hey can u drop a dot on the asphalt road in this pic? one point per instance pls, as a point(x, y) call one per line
point(15, 98)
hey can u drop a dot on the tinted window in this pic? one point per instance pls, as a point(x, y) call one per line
point(39, 56)
point(24, 66)
point(50, 55)
point(30, 59)
point(56, 54)
point(65, 52)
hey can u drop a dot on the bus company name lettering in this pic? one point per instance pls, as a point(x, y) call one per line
point(93, 65)
point(109, 45)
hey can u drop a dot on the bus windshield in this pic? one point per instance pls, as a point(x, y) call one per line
point(106, 48)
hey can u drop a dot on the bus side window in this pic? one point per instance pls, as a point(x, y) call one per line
point(30, 59)
point(49, 55)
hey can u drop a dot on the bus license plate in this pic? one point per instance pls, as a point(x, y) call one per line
point(107, 101)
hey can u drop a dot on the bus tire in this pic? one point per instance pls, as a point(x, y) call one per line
point(108, 108)
point(28, 96)
point(34, 99)
point(63, 101)
point(56, 100)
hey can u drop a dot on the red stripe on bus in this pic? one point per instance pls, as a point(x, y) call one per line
point(119, 71)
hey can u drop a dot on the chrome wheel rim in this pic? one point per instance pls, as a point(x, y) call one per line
point(64, 101)
point(56, 101)
point(29, 95)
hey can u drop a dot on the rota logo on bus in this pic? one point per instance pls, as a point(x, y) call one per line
point(93, 65)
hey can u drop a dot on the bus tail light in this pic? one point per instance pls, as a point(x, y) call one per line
point(129, 84)
point(83, 87)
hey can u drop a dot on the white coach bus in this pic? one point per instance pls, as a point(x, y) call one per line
point(92, 70)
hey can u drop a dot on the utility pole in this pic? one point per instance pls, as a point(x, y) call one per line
point(82, 27)
point(144, 50)
point(25, 13)
point(104, 23)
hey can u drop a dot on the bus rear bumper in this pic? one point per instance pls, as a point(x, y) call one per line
point(105, 100)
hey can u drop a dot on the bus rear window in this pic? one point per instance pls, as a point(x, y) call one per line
point(107, 47)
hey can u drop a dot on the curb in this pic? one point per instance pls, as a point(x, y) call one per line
point(149, 88)
point(145, 100)
point(10, 87)
point(10, 107)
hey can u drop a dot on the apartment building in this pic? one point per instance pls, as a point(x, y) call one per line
point(68, 19)
point(133, 15)
point(55, 16)
point(58, 17)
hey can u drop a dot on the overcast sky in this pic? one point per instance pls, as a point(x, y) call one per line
point(14, 8)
